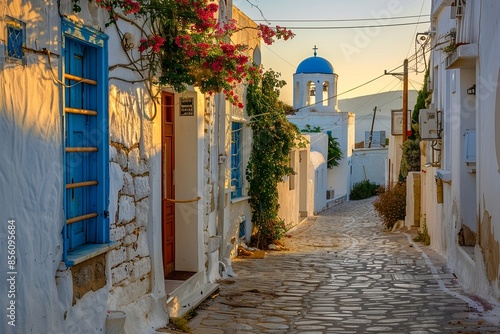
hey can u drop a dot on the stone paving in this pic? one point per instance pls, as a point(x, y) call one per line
point(342, 273)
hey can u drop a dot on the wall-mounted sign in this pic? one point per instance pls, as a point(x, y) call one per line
point(397, 122)
point(187, 106)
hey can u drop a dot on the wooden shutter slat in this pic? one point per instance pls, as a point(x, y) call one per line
point(81, 184)
point(80, 111)
point(80, 218)
point(81, 149)
point(80, 79)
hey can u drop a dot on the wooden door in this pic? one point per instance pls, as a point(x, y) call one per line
point(168, 187)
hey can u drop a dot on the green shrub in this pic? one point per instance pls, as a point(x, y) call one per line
point(391, 204)
point(410, 160)
point(334, 153)
point(363, 189)
point(423, 236)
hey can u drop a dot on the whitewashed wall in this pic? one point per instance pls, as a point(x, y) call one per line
point(292, 192)
point(470, 198)
point(342, 127)
point(30, 123)
point(488, 141)
point(31, 175)
point(369, 164)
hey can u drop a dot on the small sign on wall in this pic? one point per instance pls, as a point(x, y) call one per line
point(186, 106)
point(397, 122)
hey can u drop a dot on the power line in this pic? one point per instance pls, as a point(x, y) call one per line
point(356, 27)
point(375, 98)
point(294, 66)
point(342, 20)
point(421, 9)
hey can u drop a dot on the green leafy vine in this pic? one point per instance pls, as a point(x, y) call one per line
point(273, 139)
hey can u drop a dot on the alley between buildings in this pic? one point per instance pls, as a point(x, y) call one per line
point(341, 272)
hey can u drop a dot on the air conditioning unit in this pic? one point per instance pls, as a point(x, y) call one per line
point(430, 126)
point(470, 150)
point(330, 194)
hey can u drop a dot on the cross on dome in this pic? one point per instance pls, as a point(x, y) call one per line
point(315, 49)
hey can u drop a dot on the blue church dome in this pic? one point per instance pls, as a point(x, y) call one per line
point(315, 65)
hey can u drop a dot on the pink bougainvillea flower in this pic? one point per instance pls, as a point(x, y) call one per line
point(193, 46)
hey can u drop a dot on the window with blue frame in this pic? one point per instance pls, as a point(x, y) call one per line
point(86, 169)
point(236, 160)
point(16, 38)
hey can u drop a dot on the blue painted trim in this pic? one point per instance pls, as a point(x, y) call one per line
point(13, 24)
point(102, 75)
point(83, 33)
point(88, 251)
point(236, 159)
point(62, 104)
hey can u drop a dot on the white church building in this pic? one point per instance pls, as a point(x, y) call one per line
point(315, 103)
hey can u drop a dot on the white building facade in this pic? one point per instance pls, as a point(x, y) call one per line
point(460, 180)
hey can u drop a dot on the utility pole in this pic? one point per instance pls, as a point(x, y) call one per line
point(405, 100)
point(371, 131)
point(405, 97)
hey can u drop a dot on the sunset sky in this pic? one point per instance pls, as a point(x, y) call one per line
point(358, 53)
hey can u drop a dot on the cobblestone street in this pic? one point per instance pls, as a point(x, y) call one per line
point(342, 273)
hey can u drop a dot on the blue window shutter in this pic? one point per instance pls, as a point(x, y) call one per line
point(236, 160)
point(76, 136)
point(85, 56)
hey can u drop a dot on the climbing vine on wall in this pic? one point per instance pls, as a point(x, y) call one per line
point(273, 139)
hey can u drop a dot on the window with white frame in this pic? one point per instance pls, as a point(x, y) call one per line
point(237, 171)
point(86, 169)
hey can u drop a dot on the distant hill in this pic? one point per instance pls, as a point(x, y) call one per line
point(362, 107)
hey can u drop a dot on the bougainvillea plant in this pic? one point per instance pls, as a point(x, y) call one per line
point(183, 43)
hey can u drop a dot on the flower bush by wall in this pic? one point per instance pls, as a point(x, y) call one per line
point(183, 43)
